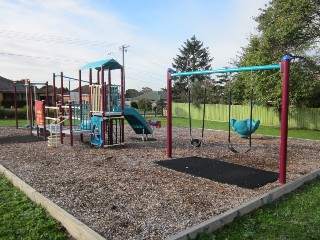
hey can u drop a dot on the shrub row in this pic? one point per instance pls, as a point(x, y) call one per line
point(10, 113)
point(10, 103)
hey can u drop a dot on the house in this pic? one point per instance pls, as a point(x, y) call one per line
point(85, 92)
point(153, 96)
point(7, 92)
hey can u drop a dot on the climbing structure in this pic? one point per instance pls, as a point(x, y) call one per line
point(106, 104)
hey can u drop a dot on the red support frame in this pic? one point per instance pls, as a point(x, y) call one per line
point(103, 104)
point(80, 102)
point(70, 125)
point(15, 105)
point(169, 114)
point(122, 104)
point(29, 105)
point(285, 69)
point(54, 94)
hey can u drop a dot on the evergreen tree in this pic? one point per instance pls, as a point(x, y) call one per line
point(193, 56)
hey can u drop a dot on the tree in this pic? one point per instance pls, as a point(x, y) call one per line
point(131, 93)
point(145, 105)
point(286, 27)
point(161, 104)
point(145, 90)
point(193, 56)
point(22, 81)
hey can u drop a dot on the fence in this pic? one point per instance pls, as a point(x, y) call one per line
point(307, 118)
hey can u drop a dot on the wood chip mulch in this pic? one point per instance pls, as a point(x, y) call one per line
point(121, 193)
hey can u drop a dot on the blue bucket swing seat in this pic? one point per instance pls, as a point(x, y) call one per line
point(244, 128)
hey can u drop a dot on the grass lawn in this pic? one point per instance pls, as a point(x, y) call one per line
point(295, 216)
point(183, 122)
point(264, 130)
point(22, 219)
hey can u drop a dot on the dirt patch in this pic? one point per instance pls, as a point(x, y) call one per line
point(123, 194)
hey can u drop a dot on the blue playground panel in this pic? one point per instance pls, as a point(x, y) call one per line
point(96, 131)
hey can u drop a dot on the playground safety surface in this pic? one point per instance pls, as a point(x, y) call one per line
point(122, 193)
point(223, 172)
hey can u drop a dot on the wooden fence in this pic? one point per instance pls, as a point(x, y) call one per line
point(307, 118)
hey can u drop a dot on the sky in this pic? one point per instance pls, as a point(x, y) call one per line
point(42, 37)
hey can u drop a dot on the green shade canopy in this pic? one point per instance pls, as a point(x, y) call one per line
point(107, 64)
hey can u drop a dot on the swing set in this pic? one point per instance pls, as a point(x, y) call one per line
point(285, 70)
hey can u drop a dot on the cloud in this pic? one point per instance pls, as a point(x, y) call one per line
point(75, 32)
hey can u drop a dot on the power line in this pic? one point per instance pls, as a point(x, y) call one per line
point(150, 54)
point(148, 60)
point(144, 54)
point(28, 56)
point(145, 72)
point(53, 39)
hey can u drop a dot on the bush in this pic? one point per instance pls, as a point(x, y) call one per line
point(10, 113)
point(144, 104)
point(134, 105)
point(9, 103)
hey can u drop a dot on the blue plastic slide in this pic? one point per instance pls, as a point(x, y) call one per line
point(137, 121)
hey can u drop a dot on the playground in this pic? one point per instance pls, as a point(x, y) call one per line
point(142, 180)
point(123, 192)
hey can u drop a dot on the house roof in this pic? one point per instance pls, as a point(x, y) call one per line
point(84, 89)
point(108, 64)
point(154, 95)
point(7, 85)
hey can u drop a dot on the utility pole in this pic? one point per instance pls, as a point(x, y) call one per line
point(123, 48)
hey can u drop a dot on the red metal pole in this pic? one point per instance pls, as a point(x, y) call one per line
point(47, 100)
point(80, 102)
point(103, 91)
point(54, 94)
point(103, 104)
point(60, 124)
point(80, 90)
point(44, 119)
point(70, 126)
point(30, 107)
point(62, 97)
point(285, 69)
point(98, 77)
point(47, 92)
point(169, 115)
point(90, 87)
point(15, 105)
point(122, 104)
point(109, 91)
point(110, 140)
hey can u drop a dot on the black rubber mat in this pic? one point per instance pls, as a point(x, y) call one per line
point(223, 172)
